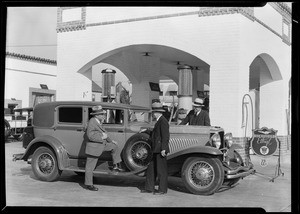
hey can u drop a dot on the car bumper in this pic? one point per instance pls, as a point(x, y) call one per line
point(18, 156)
point(239, 172)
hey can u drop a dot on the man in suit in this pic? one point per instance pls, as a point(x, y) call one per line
point(197, 116)
point(99, 142)
point(160, 148)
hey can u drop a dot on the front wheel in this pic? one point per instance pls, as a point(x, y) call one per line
point(202, 175)
point(44, 164)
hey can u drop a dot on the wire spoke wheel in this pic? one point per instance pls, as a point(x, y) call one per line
point(44, 164)
point(201, 174)
point(137, 152)
point(141, 153)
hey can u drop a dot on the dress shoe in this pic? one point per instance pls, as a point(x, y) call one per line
point(146, 191)
point(159, 193)
point(91, 187)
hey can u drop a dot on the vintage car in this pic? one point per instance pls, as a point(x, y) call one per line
point(20, 119)
point(204, 157)
point(7, 130)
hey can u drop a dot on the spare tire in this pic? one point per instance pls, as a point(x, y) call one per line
point(137, 152)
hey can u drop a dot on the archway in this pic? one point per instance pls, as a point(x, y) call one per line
point(147, 63)
point(263, 70)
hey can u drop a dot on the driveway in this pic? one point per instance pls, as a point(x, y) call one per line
point(23, 189)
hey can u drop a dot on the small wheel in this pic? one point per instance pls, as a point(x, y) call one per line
point(202, 175)
point(137, 152)
point(44, 164)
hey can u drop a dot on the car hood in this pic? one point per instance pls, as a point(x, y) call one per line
point(138, 126)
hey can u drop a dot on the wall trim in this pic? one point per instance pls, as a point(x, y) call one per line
point(248, 12)
point(30, 58)
point(31, 72)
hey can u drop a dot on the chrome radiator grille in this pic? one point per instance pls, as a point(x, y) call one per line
point(179, 143)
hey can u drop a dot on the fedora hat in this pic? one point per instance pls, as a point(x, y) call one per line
point(96, 110)
point(198, 102)
point(157, 107)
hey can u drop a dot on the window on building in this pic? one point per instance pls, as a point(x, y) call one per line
point(70, 115)
point(286, 31)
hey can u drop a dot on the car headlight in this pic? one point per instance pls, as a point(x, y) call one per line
point(216, 140)
point(228, 140)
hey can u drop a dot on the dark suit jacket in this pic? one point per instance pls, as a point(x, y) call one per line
point(160, 136)
point(202, 119)
point(96, 144)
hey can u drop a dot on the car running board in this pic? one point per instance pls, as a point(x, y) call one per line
point(108, 172)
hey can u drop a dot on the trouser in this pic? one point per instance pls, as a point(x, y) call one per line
point(91, 161)
point(157, 169)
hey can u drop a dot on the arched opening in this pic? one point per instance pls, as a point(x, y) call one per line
point(145, 63)
point(263, 70)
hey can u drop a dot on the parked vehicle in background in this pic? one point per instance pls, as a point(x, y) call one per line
point(204, 157)
point(7, 130)
point(18, 121)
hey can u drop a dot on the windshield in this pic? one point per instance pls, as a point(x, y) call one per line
point(139, 116)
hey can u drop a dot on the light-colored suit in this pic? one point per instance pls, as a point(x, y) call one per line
point(95, 146)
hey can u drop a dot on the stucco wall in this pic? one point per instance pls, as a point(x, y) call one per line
point(224, 41)
point(21, 74)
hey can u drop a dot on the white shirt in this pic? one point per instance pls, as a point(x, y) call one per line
point(158, 117)
point(198, 112)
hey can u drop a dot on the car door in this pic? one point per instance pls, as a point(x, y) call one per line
point(70, 129)
point(115, 126)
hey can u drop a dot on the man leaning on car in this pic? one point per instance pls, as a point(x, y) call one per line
point(99, 142)
point(197, 116)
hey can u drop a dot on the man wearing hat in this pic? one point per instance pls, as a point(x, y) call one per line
point(160, 148)
point(197, 116)
point(98, 142)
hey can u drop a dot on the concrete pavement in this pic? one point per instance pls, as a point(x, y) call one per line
point(22, 189)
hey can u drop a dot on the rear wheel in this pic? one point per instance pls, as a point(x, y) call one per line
point(44, 164)
point(202, 175)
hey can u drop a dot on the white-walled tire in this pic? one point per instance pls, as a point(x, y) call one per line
point(44, 164)
point(202, 175)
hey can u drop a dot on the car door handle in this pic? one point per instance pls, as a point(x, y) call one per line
point(79, 129)
point(121, 131)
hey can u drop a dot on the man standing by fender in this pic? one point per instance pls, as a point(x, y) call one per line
point(160, 148)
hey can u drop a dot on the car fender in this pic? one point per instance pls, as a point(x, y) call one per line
point(55, 144)
point(196, 150)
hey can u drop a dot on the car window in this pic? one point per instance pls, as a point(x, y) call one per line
point(70, 115)
point(139, 116)
point(113, 116)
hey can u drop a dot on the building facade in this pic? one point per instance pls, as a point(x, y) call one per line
point(28, 80)
point(241, 56)
point(235, 51)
